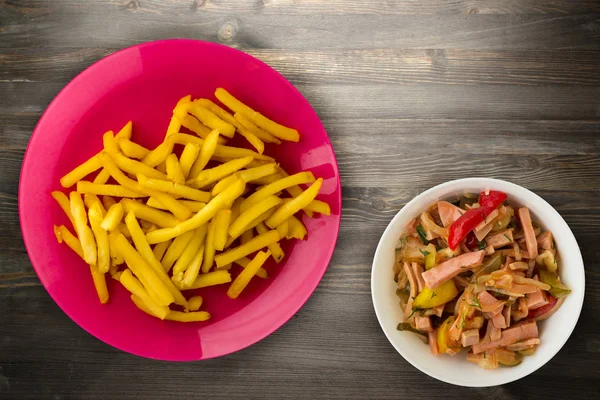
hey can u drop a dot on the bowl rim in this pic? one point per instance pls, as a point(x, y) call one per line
point(415, 363)
point(37, 266)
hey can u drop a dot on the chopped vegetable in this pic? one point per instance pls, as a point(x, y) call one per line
point(485, 273)
point(429, 298)
point(422, 234)
point(465, 224)
point(492, 199)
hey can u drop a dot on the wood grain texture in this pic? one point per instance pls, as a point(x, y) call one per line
point(68, 23)
point(412, 93)
point(354, 67)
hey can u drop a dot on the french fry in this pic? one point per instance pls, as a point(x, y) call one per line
point(141, 305)
point(225, 267)
point(132, 149)
point(210, 279)
point(103, 251)
point(294, 191)
point(84, 232)
point(218, 111)
point(107, 190)
point(209, 247)
point(142, 246)
point(115, 257)
point(114, 270)
point(251, 174)
point(123, 230)
point(250, 214)
point(246, 123)
point(206, 152)
point(190, 250)
point(109, 142)
point(90, 199)
point(247, 236)
point(80, 172)
point(174, 251)
point(174, 171)
point(64, 235)
point(244, 261)
point(297, 230)
point(146, 213)
point(135, 167)
point(229, 153)
point(192, 123)
point(266, 180)
point(125, 132)
point(162, 167)
point(113, 217)
point(159, 154)
point(188, 158)
point(143, 271)
point(194, 303)
point(318, 206)
point(274, 248)
point(184, 138)
point(160, 249)
point(194, 316)
point(242, 280)
point(252, 139)
point(147, 226)
point(222, 220)
point(283, 228)
point(174, 124)
point(65, 205)
point(136, 287)
point(102, 177)
point(223, 183)
point(259, 242)
point(178, 209)
point(195, 206)
point(222, 152)
point(211, 120)
point(108, 202)
point(215, 174)
point(295, 205)
point(272, 127)
point(235, 208)
point(174, 189)
point(276, 187)
point(99, 280)
point(192, 270)
point(219, 202)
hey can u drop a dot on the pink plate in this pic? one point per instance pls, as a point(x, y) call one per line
point(142, 84)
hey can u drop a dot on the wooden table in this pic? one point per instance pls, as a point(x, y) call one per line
point(413, 93)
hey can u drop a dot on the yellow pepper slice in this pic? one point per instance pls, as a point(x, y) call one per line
point(442, 294)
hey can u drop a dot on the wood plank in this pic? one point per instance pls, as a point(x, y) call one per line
point(78, 365)
point(279, 8)
point(353, 67)
point(77, 26)
point(453, 102)
point(405, 7)
point(393, 101)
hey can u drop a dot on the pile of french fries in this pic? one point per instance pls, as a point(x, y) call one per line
point(180, 216)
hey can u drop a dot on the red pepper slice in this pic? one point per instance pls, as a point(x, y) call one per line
point(493, 199)
point(543, 309)
point(465, 224)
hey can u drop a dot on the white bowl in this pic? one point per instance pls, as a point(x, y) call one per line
point(456, 370)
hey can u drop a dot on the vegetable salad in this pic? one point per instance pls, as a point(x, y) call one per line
point(477, 274)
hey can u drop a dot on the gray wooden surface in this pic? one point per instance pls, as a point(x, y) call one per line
point(412, 93)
